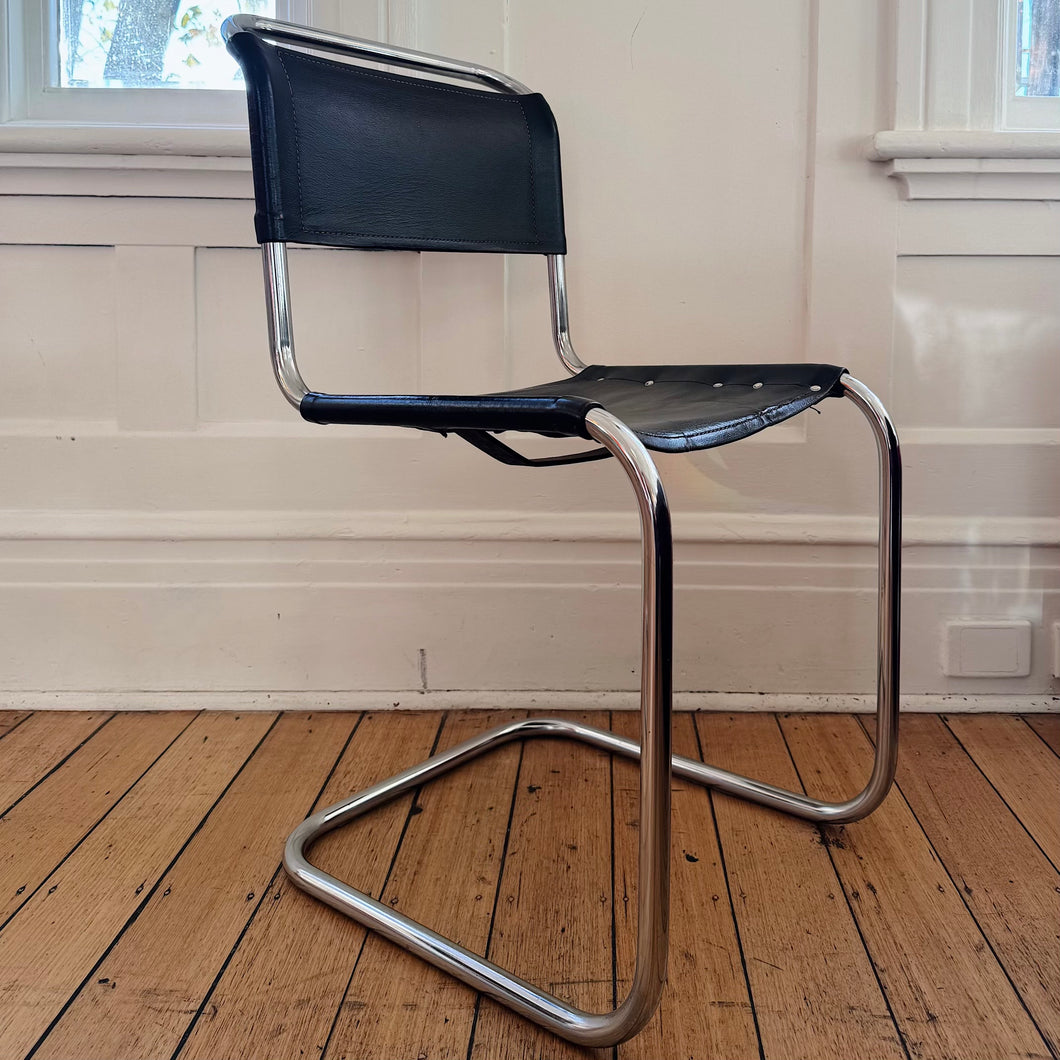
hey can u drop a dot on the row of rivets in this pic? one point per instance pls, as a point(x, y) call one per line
point(754, 386)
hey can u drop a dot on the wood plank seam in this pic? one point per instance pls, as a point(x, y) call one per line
point(266, 891)
point(25, 717)
point(89, 832)
point(398, 1005)
point(926, 826)
point(961, 893)
point(553, 920)
point(822, 831)
point(279, 995)
point(393, 860)
point(728, 892)
point(614, 892)
point(148, 895)
point(705, 1010)
point(997, 791)
point(58, 765)
point(964, 899)
point(497, 891)
point(1037, 731)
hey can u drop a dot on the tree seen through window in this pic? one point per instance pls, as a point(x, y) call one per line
point(148, 43)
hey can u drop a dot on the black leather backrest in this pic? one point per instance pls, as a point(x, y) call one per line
point(355, 157)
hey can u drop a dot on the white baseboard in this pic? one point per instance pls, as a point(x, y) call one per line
point(500, 525)
point(103, 613)
point(557, 701)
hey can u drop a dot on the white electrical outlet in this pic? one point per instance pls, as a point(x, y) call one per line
point(987, 647)
point(1056, 649)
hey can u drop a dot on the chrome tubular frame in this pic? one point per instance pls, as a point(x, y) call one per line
point(653, 752)
point(654, 749)
point(281, 329)
point(373, 51)
point(557, 297)
point(585, 1028)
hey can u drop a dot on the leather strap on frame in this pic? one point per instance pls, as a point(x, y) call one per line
point(493, 446)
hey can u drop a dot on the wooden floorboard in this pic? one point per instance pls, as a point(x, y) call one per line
point(37, 746)
point(706, 1009)
point(950, 996)
point(1023, 771)
point(1006, 882)
point(445, 875)
point(553, 922)
point(140, 999)
point(814, 988)
point(45, 826)
point(143, 913)
point(51, 946)
point(279, 995)
point(1047, 726)
point(11, 719)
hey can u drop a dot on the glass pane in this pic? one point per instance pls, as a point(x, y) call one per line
point(148, 43)
point(1038, 47)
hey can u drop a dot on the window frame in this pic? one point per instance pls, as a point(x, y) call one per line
point(1020, 112)
point(949, 66)
point(37, 116)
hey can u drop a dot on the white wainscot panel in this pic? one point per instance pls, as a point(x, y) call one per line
point(684, 179)
point(356, 319)
point(976, 342)
point(58, 318)
point(314, 621)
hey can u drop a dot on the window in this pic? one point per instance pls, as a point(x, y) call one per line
point(1031, 88)
point(145, 43)
point(125, 62)
point(977, 80)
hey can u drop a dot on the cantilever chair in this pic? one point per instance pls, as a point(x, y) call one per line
point(352, 156)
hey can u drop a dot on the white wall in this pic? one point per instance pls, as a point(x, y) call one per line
point(172, 533)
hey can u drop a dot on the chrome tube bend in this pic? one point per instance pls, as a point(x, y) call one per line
point(654, 752)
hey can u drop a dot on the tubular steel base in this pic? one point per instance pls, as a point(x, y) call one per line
point(653, 752)
point(478, 972)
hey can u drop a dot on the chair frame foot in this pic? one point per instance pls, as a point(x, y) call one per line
point(653, 752)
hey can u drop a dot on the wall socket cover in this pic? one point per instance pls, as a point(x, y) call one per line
point(987, 647)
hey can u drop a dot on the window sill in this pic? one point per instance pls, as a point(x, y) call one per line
point(112, 139)
point(42, 158)
point(958, 164)
point(962, 143)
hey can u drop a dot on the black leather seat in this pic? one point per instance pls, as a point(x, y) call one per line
point(671, 408)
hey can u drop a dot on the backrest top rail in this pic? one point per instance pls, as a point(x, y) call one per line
point(375, 51)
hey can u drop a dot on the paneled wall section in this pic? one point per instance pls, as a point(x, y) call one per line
point(172, 533)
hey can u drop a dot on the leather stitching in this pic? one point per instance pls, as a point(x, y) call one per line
point(297, 138)
point(530, 167)
point(472, 93)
